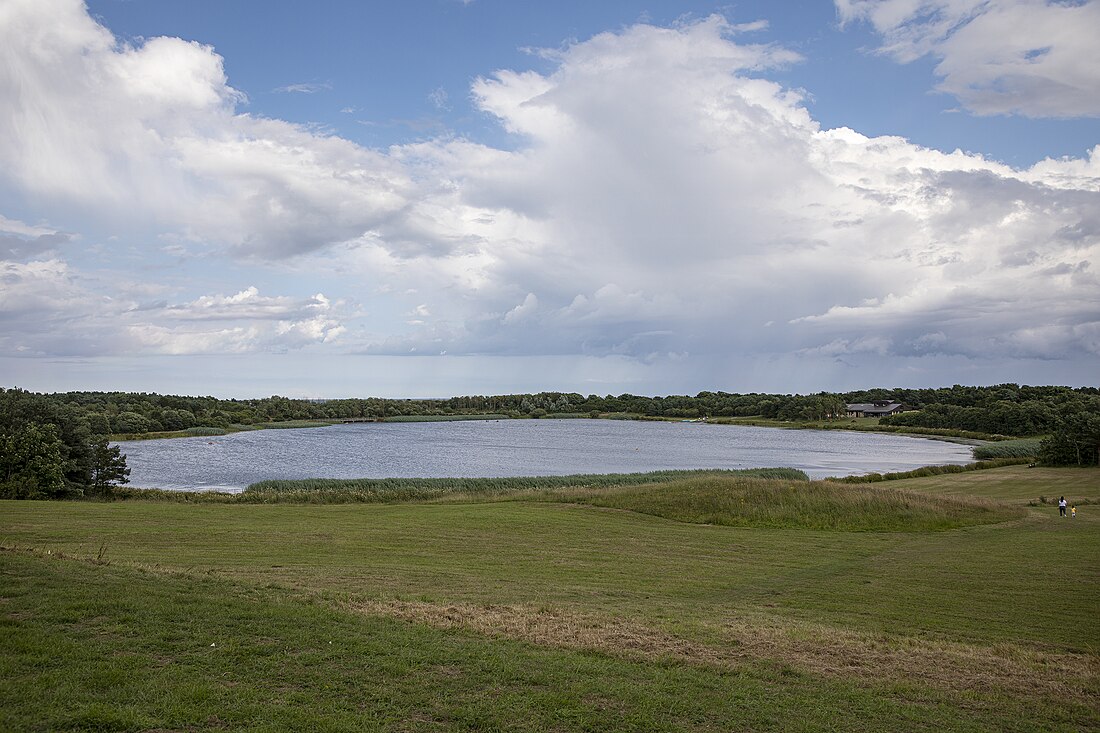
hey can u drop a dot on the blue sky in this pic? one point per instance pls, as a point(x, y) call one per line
point(439, 197)
point(386, 63)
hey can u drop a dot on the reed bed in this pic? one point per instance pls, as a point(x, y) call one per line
point(1024, 448)
point(871, 478)
point(445, 418)
point(327, 491)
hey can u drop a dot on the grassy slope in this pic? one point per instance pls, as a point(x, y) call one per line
point(989, 627)
point(104, 648)
point(736, 501)
point(1012, 483)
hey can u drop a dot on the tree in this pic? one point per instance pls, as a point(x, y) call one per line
point(1075, 443)
point(31, 464)
point(108, 467)
point(132, 422)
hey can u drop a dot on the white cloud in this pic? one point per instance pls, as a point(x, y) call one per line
point(640, 223)
point(438, 98)
point(249, 304)
point(19, 241)
point(48, 308)
point(311, 87)
point(254, 323)
point(151, 133)
point(662, 202)
point(522, 311)
point(1037, 58)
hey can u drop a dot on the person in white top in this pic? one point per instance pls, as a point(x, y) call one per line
point(1062, 507)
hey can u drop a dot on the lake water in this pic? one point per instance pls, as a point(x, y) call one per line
point(492, 448)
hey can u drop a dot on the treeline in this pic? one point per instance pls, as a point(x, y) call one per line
point(56, 445)
point(1070, 418)
point(136, 413)
point(51, 448)
point(1006, 409)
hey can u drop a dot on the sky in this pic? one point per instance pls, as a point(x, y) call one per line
point(446, 197)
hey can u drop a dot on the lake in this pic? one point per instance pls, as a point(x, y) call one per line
point(492, 448)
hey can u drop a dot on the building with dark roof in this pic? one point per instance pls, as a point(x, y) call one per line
point(878, 408)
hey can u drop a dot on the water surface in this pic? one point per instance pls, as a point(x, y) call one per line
point(493, 448)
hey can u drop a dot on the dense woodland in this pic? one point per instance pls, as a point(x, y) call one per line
point(56, 445)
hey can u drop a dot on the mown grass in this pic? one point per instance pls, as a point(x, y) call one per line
point(108, 648)
point(1019, 483)
point(536, 615)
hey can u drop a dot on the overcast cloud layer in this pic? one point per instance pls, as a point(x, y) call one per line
point(662, 202)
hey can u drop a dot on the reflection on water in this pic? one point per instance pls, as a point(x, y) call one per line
point(516, 448)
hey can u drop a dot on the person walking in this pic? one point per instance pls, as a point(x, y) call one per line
point(1062, 507)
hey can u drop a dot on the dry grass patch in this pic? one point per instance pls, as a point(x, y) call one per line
point(807, 648)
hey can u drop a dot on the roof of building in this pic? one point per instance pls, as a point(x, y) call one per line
point(879, 406)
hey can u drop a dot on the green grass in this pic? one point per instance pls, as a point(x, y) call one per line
point(1019, 483)
point(1023, 448)
point(749, 502)
point(923, 471)
point(296, 424)
point(570, 614)
point(187, 433)
point(329, 491)
point(106, 648)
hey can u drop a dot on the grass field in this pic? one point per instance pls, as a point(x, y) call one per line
point(671, 606)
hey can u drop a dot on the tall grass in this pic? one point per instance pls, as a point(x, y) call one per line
point(871, 478)
point(1024, 448)
point(752, 502)
point(326, 491)
point(294, 424)
point(201, 431)
point(205, 430)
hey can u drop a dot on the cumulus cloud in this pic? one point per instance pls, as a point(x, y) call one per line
point(48, 308)
point(246, 321)
point(249, 304)
point(642, 223)
point(152, 132)
point(662, 200)
point(1037, 58)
